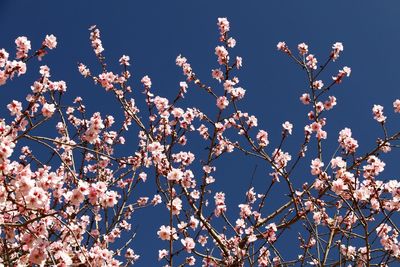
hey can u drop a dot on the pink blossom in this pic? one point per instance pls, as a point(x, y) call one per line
point(131, 255)
point(217, 74)
point(175, 175)
point(48, 110)
point(303, 48)
point(220, 206)
point(231, 42)
point(342, 73)
point(377, 110)
point(336, 49)
point(329, 104)
point(83, 70)
point(50, 41)
point(3, 57)
point(188, 244)
point(346, 141)
point(190, 261)
point(283, 47)
point(222, 55)
point(15, 107)
point(176, 206)
point(305, 99)
point(223, 25)
point(162, 254)
point(316, 165)
point(287, 126)
point(396, 106)
point(239, 62)
point(124, 60)
point(311, 61)
point(146, 81)
point(318, 84)
point(222, 102)
point(262, 138)
point(23, 47)
point(166, 233)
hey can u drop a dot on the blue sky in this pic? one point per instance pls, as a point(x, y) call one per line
point(153, 33)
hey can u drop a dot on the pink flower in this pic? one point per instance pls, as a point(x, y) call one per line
point(15, 107)
point(131, 255)
point(162, 254)
point(37, 256)
point(305, 99)
point(220, 206)
point(190, 261)
point(3, 57)
point(245, 210)
point(346, 141)
point(50, 41)
point(311, 61)
point(396, 106)
point(231, 42)
point(23, 46)
point(156, 200)
point(188, 244)
point(166, 233)
point(318, 84)
point(338, 186)
point(303, 48)
point(176, 206)
point(287, 126)
point(175, 175)
point(262, 138)
point(223, 25)
point(124, 60)
point(283, 47)
point(336, 49)
point(316, 165)
point(239, 62)
point(217, 74)
point(222, 102)
point(146, 81)
point(342, 73)
point(83, 70)
point(222, 54)
point(329, 104)
point(48, 110)
point(377, 110)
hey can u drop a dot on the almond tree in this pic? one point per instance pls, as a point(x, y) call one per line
point(71, 206)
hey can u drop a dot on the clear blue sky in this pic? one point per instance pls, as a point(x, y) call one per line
point(153, 33)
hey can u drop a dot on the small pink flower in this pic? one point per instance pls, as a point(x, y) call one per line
point(124, 60)
point(303, 48)
point(318, 84)
point(283, 47)
point(222, 102)
point(50, 41)
point(223, 25)
point(336, 49)
point(48, 110)
point(305, 99)
point(377, 110)
point(287, 126)
point(188, 243)
point(396, 106)
point(311, 62)
point(15, 107)
point(262, 138)
point(175, 175)
point(231, 42)
point(217, 74)
point(146, 81)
